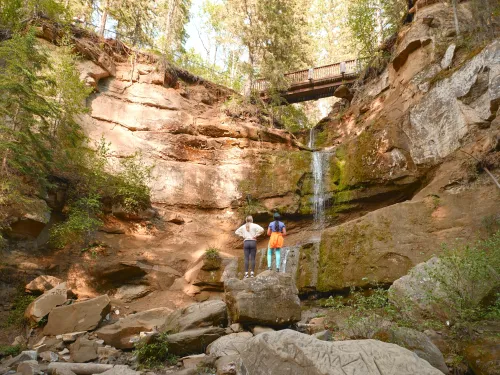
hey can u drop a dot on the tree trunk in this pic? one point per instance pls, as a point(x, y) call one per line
point(455, 16)
point(104, 18)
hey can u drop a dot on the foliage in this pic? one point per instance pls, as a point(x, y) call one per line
point(462, 274)
point(154, 353)
point(372, 21)
point(80, 223)
point(6, 350)
point(212, 253)
point(41, 141)
point(16, 315)
point(14, 12)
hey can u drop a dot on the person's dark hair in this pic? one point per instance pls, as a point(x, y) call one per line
point(277, 218)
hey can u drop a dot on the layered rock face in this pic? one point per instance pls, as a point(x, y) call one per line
point(413, 132)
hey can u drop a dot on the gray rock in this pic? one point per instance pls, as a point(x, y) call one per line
point(270, 299)
point(444, 116)
point(120, 333)
point(193, 341)
point(27, 355)
point(259, 329)
point(209, 313)
point(236, 327)
point(264, 354)
point(448, 56)
point(422, 296)
point(44, 304)
point(228, 345)
point(49, 356)
point(417, 342)
point(80, 316)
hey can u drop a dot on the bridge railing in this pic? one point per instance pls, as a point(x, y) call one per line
point(315, 74)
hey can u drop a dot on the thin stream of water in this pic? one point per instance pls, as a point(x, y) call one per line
point(319, 167)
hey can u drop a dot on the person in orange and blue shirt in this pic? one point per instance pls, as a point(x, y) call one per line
point(276, 230)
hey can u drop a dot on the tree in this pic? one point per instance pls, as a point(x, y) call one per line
point(372, 21)
point(137, 21)
point(173, 17)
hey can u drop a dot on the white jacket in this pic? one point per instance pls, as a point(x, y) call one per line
point(254, 232)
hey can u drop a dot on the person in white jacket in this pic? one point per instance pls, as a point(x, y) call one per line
point(249, 232)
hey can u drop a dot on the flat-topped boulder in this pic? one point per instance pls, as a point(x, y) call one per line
point(205, 314)
point(290, 352)
point(119, 334)
point(270, 299)
point(79, 316)
point(44, 304)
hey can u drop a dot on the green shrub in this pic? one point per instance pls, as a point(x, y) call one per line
point(80, 224)
point(463, 274)
point(16, 316)
point(154, 354)
point(212, 253)
point(6, 350)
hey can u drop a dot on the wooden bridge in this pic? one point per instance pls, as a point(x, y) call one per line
point(315, 83)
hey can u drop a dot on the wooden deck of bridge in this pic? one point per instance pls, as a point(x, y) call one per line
point(315, 83)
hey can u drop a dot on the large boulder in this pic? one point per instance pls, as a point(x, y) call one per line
point(270, 299)
point(231, 344)
point(194, 341)
point(291, 352)
point(205, 314)
point(79, 316)
point(120, 333)
point(42, 284)
point(415, 341)
point(422, 295)
point(44, 304)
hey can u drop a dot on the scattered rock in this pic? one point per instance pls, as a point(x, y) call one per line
point(44, 304)
point(28, 368)
point(193, 341)
point(128, 293)
point(194, 361)
point(42, 284)
point(119, 334)
point(27, 355)
point(121, 370)
point(305, 355)
point(49, 356)
point(71, 337)
point(228, 345)
point(83, 350)
point(259, 329)
point(107, 353)
point(209, 313)
point(270, 299)
point(236, 327)
point(80, 316)
point(79, 368)
point(19, 341)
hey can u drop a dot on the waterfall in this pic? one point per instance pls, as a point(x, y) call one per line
point(319, 167)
